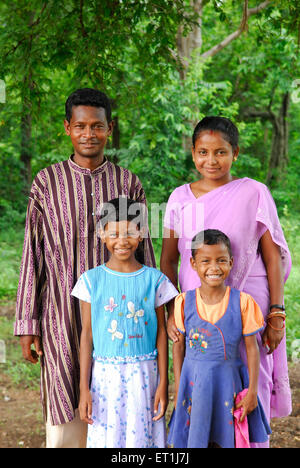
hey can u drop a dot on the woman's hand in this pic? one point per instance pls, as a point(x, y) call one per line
point(272, 259)
point(271, 338)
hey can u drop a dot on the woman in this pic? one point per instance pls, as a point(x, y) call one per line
point(245, 211)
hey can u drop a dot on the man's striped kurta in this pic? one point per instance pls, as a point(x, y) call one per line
point(61, 243)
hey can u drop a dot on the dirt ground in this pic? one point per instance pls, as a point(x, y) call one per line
point(21, 424)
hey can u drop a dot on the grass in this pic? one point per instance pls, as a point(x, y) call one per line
point(292, 304)
point(11, 244)
point(20, 372)
point(291, 227)
point(26, 374)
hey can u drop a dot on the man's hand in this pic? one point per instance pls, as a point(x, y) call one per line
point(31, 355)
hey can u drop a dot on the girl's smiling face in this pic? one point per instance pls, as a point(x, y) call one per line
point(121, 238)
point(213, 156)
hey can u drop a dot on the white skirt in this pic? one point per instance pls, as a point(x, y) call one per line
point(123, 406)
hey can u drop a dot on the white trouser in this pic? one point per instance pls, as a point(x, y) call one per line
point(69, 435)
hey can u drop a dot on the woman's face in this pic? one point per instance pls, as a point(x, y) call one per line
point(213, 155)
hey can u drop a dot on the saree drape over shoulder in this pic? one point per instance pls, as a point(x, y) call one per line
point(244, 210)
point(61, 242)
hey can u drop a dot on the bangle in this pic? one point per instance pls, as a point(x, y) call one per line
point(276, 314)
point(277, 306)
point(275, 328)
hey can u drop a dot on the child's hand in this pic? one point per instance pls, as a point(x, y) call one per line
point(85, 407)
point(249, 403)
point(161, 398)
point(172, 330)
point(175, 399)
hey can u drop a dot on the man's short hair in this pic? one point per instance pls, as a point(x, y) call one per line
point(88, 97)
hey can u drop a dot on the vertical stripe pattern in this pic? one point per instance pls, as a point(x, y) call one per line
point(60, 243)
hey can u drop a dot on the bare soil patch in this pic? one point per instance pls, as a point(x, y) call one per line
point(21, 422)
point(22, 426)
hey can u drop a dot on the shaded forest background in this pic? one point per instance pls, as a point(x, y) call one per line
point(165, 65)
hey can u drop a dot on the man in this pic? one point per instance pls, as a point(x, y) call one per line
point(61, 242)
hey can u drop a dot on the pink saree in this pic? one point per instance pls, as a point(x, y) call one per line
point(244, 210)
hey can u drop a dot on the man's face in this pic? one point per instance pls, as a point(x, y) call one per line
point(89, 130)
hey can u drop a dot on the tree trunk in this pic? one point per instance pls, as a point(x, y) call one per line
point(279, 150)
point(186, 44)
point(26, 117)
point(116, 134)
point(25, 154)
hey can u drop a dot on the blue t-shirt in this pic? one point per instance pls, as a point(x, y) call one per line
point(124, 323)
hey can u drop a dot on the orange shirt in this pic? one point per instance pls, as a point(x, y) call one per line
point(252, 317)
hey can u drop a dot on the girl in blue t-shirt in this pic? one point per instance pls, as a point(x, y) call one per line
point(123, 346)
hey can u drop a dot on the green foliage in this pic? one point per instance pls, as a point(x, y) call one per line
point(158, 136)
point(20, 371)
point(128, 49)
point(291, 227)
point(48, 49)
point(287, 193)
point(11, 243)
point(262, 65)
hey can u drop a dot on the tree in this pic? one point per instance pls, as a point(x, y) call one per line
point(187, 43)
point(23, 29)
point(264, 43)
point(165, 64)
point(91, 38)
